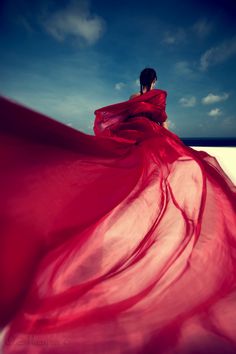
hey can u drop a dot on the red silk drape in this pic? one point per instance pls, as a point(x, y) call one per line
point(123, 242)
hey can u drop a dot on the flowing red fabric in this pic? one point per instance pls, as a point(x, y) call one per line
point(118, 242)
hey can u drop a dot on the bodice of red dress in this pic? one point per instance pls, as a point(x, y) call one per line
point(113, 120)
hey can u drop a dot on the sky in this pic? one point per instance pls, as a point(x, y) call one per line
point(68, 58)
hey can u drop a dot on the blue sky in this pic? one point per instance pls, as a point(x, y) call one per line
point(68, 58)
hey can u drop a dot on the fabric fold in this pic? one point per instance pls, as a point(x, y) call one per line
point(122, 242)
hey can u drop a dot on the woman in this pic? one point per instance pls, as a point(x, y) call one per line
point(122, 242)
point(148, 103)
point(148, 80)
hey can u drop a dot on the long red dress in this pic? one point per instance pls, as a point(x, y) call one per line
point(120, 243)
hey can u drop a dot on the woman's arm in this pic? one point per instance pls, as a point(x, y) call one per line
point(165, 125)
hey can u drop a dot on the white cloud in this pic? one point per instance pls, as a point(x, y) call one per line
point(171, 124)
point(119, 86)
point(174, 37)
point(218, 54)
point(188, 101)
point(216, 112)
point(76, 20)
point(228, 121)
point(183, 68)
point(90, 125)
point(202, 28)
point(211, 98)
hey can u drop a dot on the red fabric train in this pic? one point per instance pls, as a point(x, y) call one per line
point(123, 242)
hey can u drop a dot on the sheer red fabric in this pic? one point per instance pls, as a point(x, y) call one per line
point(122, 242)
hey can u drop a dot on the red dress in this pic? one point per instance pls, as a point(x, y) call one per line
point(123, 242)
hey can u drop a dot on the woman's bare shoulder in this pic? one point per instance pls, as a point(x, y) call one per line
point(135, 95)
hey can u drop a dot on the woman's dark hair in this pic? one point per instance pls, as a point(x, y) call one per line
point(146, 78)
